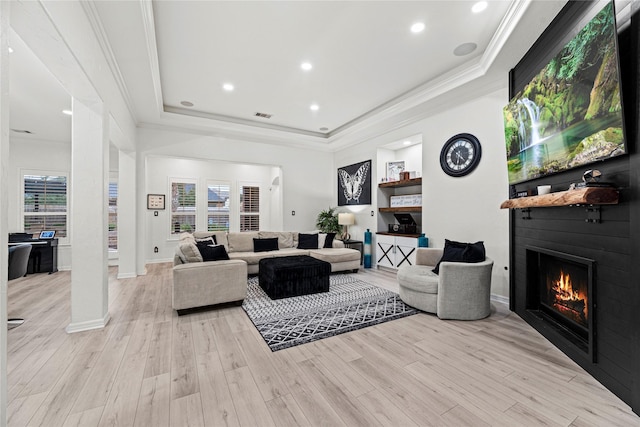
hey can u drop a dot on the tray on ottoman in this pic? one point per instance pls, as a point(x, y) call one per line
point(291, 276)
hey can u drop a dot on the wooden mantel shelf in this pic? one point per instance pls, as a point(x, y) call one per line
point(580, 196)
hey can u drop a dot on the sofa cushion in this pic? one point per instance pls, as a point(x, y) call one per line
point(307, 241)
point(265, 245)
point(251, 258)
point(461, 252)
point(285, 238)
point(335, 255)
point(189, 251)
point(419, 278)
point(212, 252)
point(241, 241)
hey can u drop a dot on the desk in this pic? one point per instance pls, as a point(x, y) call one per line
point(355, 244)
point(43, 257)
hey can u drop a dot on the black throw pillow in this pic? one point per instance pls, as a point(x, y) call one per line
point(307, 241)
point(265, 245)
point(328, 241)
point(211, 252)
point(461, 252)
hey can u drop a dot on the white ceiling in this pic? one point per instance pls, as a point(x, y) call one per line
point(365, 60)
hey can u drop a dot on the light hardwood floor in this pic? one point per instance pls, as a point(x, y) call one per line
point(149, 367)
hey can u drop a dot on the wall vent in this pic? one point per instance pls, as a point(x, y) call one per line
point(263, 115)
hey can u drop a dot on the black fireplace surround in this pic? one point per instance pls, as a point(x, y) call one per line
point(608, 346)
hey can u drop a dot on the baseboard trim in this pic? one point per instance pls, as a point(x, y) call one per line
point(127, 275)
point(89, 325)
point(500, 298)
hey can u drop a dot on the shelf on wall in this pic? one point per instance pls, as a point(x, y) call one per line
point(403, 183)
point(407, 209)
point(580, 196)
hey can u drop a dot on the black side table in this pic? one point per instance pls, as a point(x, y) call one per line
point(355, 244)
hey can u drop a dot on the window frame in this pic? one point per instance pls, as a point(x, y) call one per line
point(229, 213)
point(42, 172)
point(189, 181)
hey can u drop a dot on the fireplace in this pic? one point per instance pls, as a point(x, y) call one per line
point(560, 292)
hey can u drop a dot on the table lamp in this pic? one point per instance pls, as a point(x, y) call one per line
point(346, 219)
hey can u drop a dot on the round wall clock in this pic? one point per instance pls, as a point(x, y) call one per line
point(460, 154)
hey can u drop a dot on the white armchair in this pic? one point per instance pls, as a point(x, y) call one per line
point(461, 291)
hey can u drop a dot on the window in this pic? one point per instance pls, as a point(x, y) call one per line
point(218, 206)
point(113, 216)
point(183, 207)
point(45, 204)
point(249, 208)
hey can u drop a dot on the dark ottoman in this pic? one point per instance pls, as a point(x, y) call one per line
point(291, 276)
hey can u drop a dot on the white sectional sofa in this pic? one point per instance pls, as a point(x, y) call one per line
point(199, 283)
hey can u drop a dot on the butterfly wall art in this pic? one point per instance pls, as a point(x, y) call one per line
point(354, 184)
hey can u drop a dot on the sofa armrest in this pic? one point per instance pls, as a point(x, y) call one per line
point(428, 256)
point(338, 243)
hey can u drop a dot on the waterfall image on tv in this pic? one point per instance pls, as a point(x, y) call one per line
point(570, 114)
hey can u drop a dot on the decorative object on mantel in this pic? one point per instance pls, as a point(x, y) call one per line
point(354, 184)
point(581, 196)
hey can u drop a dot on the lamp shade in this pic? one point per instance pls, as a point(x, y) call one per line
point(346, 218)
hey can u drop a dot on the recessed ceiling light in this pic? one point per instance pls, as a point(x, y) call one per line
point(67, 112)
point(407, 143)
point(306, 66)
point(314, 107)
point(418, 27)
point(187, 103)
point(228, 87)
point(10, 49)
point(479, 7)
point(465, 49)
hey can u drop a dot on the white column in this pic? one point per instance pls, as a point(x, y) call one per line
point(127, 253)
point(4, 200)
point(141, 223)
point(89, 217)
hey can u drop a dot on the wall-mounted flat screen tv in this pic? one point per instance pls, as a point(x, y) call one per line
point(570, 114)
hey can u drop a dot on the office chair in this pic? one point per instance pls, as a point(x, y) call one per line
point(18, 261)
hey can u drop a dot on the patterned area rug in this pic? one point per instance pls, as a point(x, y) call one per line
point(350, 304)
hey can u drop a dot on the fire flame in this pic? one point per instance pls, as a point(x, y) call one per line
point(565, 293)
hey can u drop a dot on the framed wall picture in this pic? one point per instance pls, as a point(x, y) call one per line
point(354, 184)
point(394, 169)
point(155, 201)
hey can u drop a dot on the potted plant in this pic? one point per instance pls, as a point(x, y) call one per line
point(327, 221)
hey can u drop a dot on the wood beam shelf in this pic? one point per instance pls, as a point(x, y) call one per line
point(407, 209)
point(403, 183)
point(580, 196)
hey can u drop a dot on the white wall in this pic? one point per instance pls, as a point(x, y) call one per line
point(466, 208)
point(304, 185)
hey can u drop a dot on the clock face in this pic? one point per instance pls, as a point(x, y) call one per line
point(460, 154)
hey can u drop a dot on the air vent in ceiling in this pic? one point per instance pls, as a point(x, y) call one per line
point(21, 131)
point(264, 115)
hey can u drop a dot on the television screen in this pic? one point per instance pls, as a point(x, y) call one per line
point(570, 114)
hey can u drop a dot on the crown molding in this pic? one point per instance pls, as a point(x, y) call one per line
point(95, 22)
point(152, 51)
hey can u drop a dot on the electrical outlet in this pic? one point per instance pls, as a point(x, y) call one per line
point(155, 250)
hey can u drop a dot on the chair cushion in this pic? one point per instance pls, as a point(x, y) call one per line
point(419, 278)
point(461, 252)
